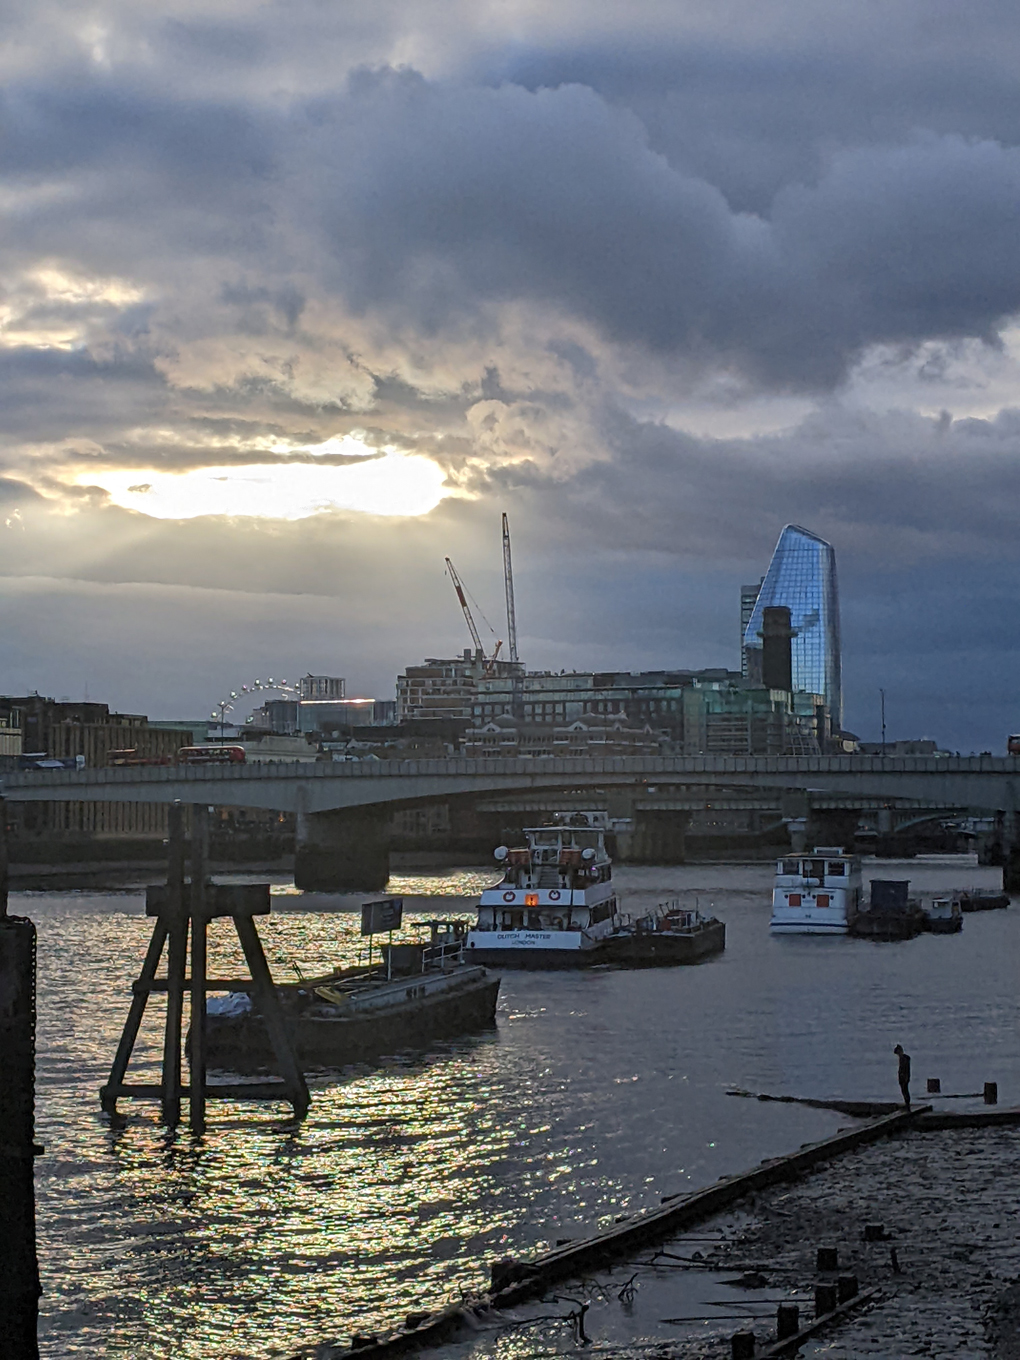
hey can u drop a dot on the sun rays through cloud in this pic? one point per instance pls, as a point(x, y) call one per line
point(394, 484)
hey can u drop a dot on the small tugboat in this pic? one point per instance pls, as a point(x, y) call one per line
point(981, 899)
point(420, 992)
point(556, 908)
point(941, 916)
point(669, 935)
point(816, 894)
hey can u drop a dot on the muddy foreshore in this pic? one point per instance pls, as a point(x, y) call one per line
point(943, 1277)
point(948, 1265)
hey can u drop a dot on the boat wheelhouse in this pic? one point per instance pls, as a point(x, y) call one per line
point(555, 904)
point(817, 893)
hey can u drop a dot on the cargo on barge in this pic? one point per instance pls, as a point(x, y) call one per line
point(419, 993)
point(669, 935)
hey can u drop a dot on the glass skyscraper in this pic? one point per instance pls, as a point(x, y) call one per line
point(802, 576)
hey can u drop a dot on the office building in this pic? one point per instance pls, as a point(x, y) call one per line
point(89, 732)
point(647, 698)
point(598, 734)
point(738, 720)
point(802, 577)
point(321, 687)
point(446, 687)
point(748, 599)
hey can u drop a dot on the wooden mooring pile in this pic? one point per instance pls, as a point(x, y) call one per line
point(19, 1267)
point(183, 909)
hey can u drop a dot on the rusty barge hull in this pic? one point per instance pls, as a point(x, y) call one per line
point(242, 1043)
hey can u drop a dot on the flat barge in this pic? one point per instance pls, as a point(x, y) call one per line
point(667, 937)
point(418, 995)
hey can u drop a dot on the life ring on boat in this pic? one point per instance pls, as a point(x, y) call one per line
point(509, 896)
point(554, 896)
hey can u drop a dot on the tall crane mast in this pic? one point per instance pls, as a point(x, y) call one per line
point(479, 649)
point(508, 580)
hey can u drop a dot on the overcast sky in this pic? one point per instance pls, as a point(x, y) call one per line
point(297, 297)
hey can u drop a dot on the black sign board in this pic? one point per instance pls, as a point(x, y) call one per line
point(385, 914)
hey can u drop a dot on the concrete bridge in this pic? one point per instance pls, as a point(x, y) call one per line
point(342, 807)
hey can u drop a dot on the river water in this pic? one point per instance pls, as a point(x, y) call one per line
point(597, 1094)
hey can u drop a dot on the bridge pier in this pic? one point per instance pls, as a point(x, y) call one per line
point(831, 826)
point(1011, 852)
point(343, 850)
point(647, 835)
point(659, 837)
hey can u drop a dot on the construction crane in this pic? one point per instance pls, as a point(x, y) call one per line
point(465, 607)
point(490, 669)
point(508, 581)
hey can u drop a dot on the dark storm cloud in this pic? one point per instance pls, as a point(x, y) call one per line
point(505, 254)
point(439, 198)
point(752, 116)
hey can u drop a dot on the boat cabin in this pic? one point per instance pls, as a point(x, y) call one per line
point(826, 867)
point(561, 880)
point(817, 893)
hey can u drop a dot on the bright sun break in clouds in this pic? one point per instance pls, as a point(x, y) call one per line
point(394, 484)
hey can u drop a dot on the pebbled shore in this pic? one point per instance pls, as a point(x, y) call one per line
point(950, 1204)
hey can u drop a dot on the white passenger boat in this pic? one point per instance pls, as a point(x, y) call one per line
point(817, 893)
point(555, 906)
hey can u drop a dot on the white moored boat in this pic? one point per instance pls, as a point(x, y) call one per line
point(817, 893)
point(555, 906)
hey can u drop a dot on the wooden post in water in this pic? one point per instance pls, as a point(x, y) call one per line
point(177, 963)
point(199, 927)
point(179, 907)
point(19, 1267)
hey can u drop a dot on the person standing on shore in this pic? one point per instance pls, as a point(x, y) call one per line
point(903, 1073)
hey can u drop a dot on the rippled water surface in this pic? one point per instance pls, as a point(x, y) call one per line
point(598, 1093)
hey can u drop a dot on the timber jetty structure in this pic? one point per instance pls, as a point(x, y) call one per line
point(342, 808)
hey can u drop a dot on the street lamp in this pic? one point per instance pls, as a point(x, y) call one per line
point(224, 706)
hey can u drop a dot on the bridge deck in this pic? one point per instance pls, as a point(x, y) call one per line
point(972, 782)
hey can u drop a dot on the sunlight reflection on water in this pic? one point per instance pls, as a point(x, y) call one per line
point(598, 1093)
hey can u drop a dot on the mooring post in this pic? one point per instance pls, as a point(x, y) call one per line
point(19, 1267)
point(177, 962)
point(826, 1299)
point(742, 1346)
point(846, 1288)
point(199, 927)
point(787, 1321)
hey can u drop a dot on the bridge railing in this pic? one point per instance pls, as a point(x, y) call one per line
point(647, 767)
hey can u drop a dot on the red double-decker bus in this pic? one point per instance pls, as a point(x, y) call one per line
point(211, 755)
point(130, 756)
point(1013, 744)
